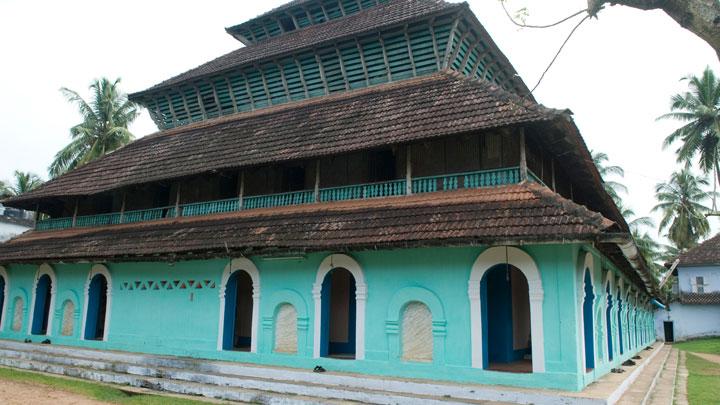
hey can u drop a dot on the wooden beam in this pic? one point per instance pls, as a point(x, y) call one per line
point(408, 170)
point(342, 68)
point(249, 90)
point(200, 101)
point(241, 189)
point(232, 94)
point(316, 193)
point(552, 169)
point(322, 73)
point(75, 212)
point(302, 77)
point(122, 207)
point(448, 47)
point(284, 81)
point(410, 52)
point(362, 61)
point(385, 57)
point(177, 200)
point(523, 158)
point(434, 42)
point(185, 103)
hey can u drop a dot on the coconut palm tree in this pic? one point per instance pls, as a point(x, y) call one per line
point(104, 126)
point(699, 109)
point(22, 183)
point(613, 188)
point(4, 190)
point(683, 213)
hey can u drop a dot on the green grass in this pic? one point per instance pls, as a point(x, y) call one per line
point(100, 392)
point(706, 345)
point(703, 381)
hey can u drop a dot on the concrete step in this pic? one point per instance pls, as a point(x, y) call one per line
point(216, 385)
point(663, 392)
point(642, 387)
point(269, 380)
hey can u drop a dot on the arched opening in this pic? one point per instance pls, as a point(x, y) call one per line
point(41, 312)
point(2, 298)
point(416, 333)
point(238, 313)
point(96, 308)
point(608, 321)
point(628, 322)
point(338, 316)
point(286, 336)
point(506, 325)
point(588, 324)
point(619, 320)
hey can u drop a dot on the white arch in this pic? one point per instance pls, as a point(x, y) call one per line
point(348, 263)
point(523, 262)
point(98, 269)
point(6, 297)
point(246, 265)
point(44, 269)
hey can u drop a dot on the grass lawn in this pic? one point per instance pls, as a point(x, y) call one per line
point(703, 381)
point(100, 392)
point(707, 345)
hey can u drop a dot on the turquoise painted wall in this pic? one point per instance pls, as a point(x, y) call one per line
point(174, 308)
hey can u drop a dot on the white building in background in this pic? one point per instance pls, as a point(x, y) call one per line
point(13, 222)
point(695, 309)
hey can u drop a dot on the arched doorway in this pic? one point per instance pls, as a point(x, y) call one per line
point(339, 314)
point(506, 320)
point(41, 311)
point(238, 312)
point(2, 299)
point(608, 321)
point(588, 324)
point(97, 302)
point(619, 320)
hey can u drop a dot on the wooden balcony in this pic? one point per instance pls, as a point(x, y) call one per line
point(393, 188)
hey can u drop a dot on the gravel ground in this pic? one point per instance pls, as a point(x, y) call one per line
point(15, 393)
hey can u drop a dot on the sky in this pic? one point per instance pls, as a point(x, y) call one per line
point(616, 74)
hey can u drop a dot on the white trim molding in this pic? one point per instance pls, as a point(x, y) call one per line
point(6, 297)
point(102, 270)
point(346, 262)
point(523, 262)
point(44, 269)
point(246, 265)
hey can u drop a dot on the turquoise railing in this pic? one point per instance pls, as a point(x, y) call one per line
point(363, 191)
point(485, 178)
point(279, 200)
point(206, 208)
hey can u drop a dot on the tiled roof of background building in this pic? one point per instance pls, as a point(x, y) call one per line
point(519, 213)
point(700, 298)
point(707, 253)
point(431, 106)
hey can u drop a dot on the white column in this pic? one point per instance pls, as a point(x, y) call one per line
point(475, 324)
point(317, 297)
point(360, 299)
point(536, 327)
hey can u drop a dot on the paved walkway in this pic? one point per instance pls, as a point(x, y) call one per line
point(681, 397)
point(638, 391)
point(709, 357)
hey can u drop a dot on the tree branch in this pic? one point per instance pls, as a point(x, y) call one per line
point(701, 17)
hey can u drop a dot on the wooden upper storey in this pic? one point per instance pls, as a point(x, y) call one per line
point(389, 42)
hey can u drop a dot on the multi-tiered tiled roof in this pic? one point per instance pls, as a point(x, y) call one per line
point(316, 80)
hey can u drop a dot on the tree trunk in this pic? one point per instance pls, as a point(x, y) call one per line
point(701, 17)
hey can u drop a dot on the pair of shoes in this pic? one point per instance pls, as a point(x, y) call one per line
point(617, 371)
point(27, 341)
point(318, 369)
point(45, 342)
point(637, 357)
point(629, 363)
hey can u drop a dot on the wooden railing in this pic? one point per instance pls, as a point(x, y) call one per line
point(393, 188)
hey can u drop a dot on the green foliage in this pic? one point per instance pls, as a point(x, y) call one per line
point(100, 392)
point(104, 127)
point(613, 188)
point(703, 380)
point(22, 183)
point(699, 109)
point(681, 203)
point(704, 345)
